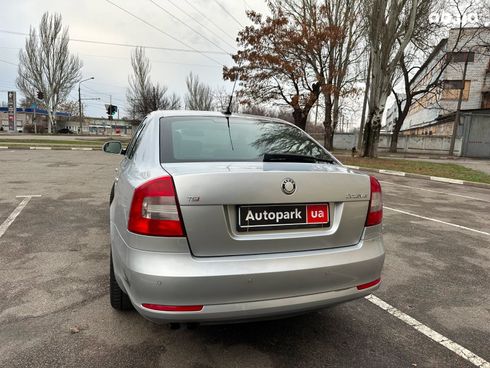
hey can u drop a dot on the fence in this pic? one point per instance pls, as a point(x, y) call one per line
point(408, 144)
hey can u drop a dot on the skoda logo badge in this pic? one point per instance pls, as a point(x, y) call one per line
point(288, 186)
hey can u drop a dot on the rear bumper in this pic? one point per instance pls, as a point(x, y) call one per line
point(256, 310)
point(246, 287)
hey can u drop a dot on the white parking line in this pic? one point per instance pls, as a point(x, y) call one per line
point(439, 221)
point(430, 333)
point(5, 225)
point(434, 191)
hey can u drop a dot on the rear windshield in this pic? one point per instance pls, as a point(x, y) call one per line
point(195, 139)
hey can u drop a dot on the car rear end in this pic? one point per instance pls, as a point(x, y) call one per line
point(238, 218)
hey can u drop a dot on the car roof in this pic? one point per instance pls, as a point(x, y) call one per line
point(171, 113)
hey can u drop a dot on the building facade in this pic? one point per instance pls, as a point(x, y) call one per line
point(433, 113)
point(392, 115)
point(35, 120)
point(30, 119)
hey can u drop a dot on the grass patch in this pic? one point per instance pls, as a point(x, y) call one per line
point(446, 170)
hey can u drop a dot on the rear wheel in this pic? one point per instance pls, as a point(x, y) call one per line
point(119, 299)
point(111, 197)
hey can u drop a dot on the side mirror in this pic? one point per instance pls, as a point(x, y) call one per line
point(112, 147)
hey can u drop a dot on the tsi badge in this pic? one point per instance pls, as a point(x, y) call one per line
point(288, 186)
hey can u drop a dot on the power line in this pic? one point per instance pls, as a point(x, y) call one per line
point(201, 24)
point(227, 12)
point(153, 61)
point(247, 5)
point(162, 31)
point(8, 62)
point(213, 22)
point(187, 25)
point(107, 43)
point(126, 58)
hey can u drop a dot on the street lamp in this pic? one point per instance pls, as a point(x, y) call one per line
point(80, 103)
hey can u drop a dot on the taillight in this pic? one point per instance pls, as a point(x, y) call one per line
point(174, 308)
point(375, 212)
point(368, 284)
point(154, 209)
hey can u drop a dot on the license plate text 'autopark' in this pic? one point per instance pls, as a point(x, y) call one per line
point(262, 217)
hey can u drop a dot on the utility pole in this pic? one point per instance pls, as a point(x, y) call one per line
point(34, 121)
point(457, 117)
point(80, 108)
point(80, 103)
point(110, 102)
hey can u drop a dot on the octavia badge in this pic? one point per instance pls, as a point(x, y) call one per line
point(288, 186)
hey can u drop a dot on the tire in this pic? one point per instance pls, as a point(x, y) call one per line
point(119, 299)
point(111, 197)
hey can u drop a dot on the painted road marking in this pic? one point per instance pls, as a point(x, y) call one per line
point(434, 191)
point(447, 180)
point(5, 225)
point(391, 172)
point(81, 149)
point(4, 147)
point(439, 221)
point(430, 333)
point(40, 148)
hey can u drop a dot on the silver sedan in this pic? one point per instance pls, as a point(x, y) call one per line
point(218, 218)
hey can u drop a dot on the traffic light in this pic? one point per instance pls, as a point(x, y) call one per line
point(111, 109)
point(40, 95)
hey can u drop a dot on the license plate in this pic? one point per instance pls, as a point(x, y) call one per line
point(264, 217)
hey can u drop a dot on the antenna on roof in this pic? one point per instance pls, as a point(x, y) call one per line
point(228, 108)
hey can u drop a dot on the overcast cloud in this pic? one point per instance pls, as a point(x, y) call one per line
point(110, 65)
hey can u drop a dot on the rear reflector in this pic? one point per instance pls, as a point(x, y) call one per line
point(154, 209)
point(368, 285)
point(375, 211)
point(174, 308)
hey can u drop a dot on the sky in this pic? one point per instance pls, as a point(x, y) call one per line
point(204, 25)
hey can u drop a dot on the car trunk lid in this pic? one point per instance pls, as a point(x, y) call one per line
point(211, 194)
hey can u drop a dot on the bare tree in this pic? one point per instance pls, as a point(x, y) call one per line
point(221, 99)
point(46, 65)
point(278, 52)
point(419, 50)
point(277, 112)
point(304, 50)
point(391, 27)
point(199, 95)
point(143, 95)
point(343, 60)
point(71, 107)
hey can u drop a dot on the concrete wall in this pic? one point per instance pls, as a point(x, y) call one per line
point(406, 144)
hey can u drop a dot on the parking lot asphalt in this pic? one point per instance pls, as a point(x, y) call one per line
point(54, 304)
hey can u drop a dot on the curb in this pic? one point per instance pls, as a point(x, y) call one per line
point(54, 148)
point(424, 177)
